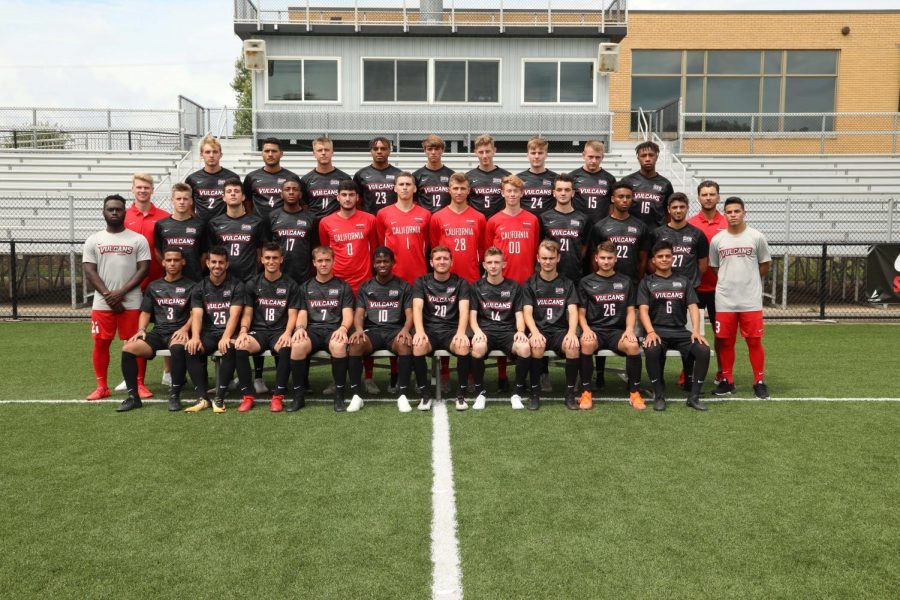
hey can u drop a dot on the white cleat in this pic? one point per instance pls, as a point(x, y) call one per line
point(329, 391)
point(259, 385)
point(356, 403)
point(461, 405)
point(516, 402)
point(167, 378)
point(371, 386)
point(479, 402)
point(121, 387)
point(403, 404)
point(546, 385)
point(423, 405)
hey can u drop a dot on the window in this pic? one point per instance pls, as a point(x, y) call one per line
point(451, 80)
point(466, 81)
point(558, 82)
point(302, 80)
point(395, 80)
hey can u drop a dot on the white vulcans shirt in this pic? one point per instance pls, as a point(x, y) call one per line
point(738, 257)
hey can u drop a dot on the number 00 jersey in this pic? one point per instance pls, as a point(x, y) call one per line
point(570, 231)
point(385, 303)
point(169, 302)
point(550, 301)
point(442, 298)
point(689, 245)
point(668, 299)
point(630, 237)
point(606, 299)
point(271, 300)
point(241, 237)
point(216, 302)
point(496, 304)
point(325, 302)
point(518, 236)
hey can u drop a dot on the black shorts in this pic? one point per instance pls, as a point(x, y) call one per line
point(500, 340)
point(158, 340)
point(608, 339)
point(210, 340)
point(266, 340)
point(675, 340)
point(555, 339)
point(319, 337)
point(440, 338)
point(382, 338)
point(707, 300)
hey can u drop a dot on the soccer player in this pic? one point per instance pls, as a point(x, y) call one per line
point(403, 227)
point(383, 321)
point(241, 233)
point(497, 323)
point(537, 195)
point(264, 185)
point(515, 231)
point(461, 228)
point(485, 179)
point(324, 322)
point(651, 190)
point(217, 304)
point(183, 230)
point(208, 183)
point(168, 301)
point(115, 261)
point(626, 231)
point(741, 258)
point(607, 316)
point(296, 229)
point(441, 315)
point(567, 227)
point(273, 302)
point(320, 186)
point(592, 183)
point(376, 181)
point(432, 180)
point(664, 301)
point(551, 315)
point(351, 234)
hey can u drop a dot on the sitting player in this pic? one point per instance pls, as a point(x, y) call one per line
point(664, 300)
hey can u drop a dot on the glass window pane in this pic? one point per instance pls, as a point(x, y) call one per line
point(731, 95)
point(320, 80)
point(771, 103)
point(732, 62)
point(693, 101)
point(808, 95)
point(449, 81)
point(540, 81)
point(285, 80)
point(651, 93)
point(815, 62)
point(656, 62)
point(412, 81)
point(484, 81)
point(576, 82)
point(378, 81)
point(694, 64)
point(772, 61)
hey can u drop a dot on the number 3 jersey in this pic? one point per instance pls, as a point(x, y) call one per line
point(606, 300)
point(216, 302)
point(325, 302)
point(271, 300)
point(241, 237)
point(169, 302)
point(496, 304)
point(550, 301)
point(668, 299)
point(441, 309)
point(385, 303)
point(630, 237)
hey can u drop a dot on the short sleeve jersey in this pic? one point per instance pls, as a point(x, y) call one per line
point(384, 304)
point(605, 300)
point(496, 304)
point(667, 299)
point(630, 237)
point(271, 301)
point(241, 236)
point(353, 240)
point(189, 235)
point(297, 232)
point(433, 187)
point(689, 245)
point(320, 191)
point(484, 190)
point(570, 231)
point(441, 298)
point(651, 198)
point(518, 236)
point(116, 256)
point(592, 193)
point(325, 302)
point(463, 233)
point(377, 187)
point(739, 288)
point(208, 191)
point(710, 229)
point(216, 302)
point(550, 301)
point(538, 194)
point(264, 189)
point(169, 302)
point(406, 233)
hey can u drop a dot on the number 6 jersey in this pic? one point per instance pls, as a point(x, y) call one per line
point(668, 299)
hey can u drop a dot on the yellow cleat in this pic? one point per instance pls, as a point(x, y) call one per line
point(200, 405)
point(218, 406)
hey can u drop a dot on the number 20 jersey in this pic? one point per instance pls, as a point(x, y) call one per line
point(442, 298)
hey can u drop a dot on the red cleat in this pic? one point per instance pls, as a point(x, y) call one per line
point(246, 404)
point(143, 392)
point(681, 380)
point(99, 394)
point(277, 404)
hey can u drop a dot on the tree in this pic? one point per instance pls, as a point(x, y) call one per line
point(243, 89)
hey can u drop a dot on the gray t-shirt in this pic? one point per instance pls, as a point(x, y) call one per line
point(116, 256)
point(739, 288)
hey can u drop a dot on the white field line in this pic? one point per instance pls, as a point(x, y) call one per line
point(446, 575)
point(263, 401)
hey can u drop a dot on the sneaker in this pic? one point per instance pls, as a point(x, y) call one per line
point(516, 402)
point(461, 404)
point(503, 386)
point(246, 404)
point(535, 402)
point(695, 403)
point(259, 386)
point(174, 404)
point(403, 404)
point(761, 390)
point(143, 392)
point(99, 394)
point(298, 403)
point(129, 403)
point(329, 390)
point(218, 405)
point(659, 404)
point(724, 388)
point(717, 378)
point(356, 403)
point(424, 404)
point(277, 404)
point(479, 403)
point(122, 387)
point(371, 387)
point(636, 401)
point(167, 378)
point(586, 402)
point(546, 384)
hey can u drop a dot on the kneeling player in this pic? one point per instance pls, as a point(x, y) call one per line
point(383, 321)
point(497, 322)
point(664, 301)
point(607, 319)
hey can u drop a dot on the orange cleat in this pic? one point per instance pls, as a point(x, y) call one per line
point(586, 402)
point(143, 392)
point(277, 404)
point(636, 401)
point(246, 404)
point(99, 394)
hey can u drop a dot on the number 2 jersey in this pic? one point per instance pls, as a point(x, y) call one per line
point(325, 303)
point(241, 237)
point(606, 300)
point(667, 299)
point(496, 304)
point(169, 302)
point(441, 298)
point(550, 301)
point(630, 237)
point(208, 190)
point(384, 304)
point(271, 301)
point(216, 302)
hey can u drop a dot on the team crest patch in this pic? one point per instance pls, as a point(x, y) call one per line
point(676, 284)
point(333, 292)
point(190, 230)
point(618, 286)
point(632, 230)
point(281, 291)
point(560, 290)
point(687, 239)
point(574, 223)
point(389, 177)
point(504, 294)
point(546, 182)
point(657, 188)
point(444, 179)
point(418, 219)
point(246, 227)
point(301, 223)
point(281, 180)
point(360, 225)
point(334, 182)
point(526, 224)
point(450, 290)
point(179, 290)
point(496, 180)
point(393, 293)
point(221, 182)
point(226, 293)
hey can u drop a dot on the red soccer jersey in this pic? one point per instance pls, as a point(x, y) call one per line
point(353, 240)
point(406, 233)
point(143, 224)
point(710, 228)
point(518, 236)
point(463, 233)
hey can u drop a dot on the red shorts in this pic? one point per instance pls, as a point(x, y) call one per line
point(105, 323)
point(751, 324)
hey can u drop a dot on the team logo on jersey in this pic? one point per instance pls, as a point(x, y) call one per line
point(657, 188)
point(301, 223)
point(676, 284)
point(334, 182)
point(546, 182)
point(560, 290)
point(281, 291)
point(444, 179)
point(504, 293)
point(416, 219)
point(687, 239)
point(393, 293)
point(190, 230)
point(574, 223)
point(246, 227)
point(360, 225)
point(179, 290)
point(496, 180)
point(526, 224)
point(226, 293)
point(281, 180)
point(632, 229)
point(618, 286)
point(333, 292)
point(389, 177)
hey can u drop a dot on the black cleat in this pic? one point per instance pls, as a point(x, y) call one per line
point(174, 404)
point(571, 402)
point(724, 388)
point(599, 384)
point(534, 403)
point(129, 403)
point(761, 390)
point(298, 403)
point(659, 404)
point(503, 386)
point(339, 405)
point(695, 403)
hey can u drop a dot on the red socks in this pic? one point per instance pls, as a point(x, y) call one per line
point(100, 359)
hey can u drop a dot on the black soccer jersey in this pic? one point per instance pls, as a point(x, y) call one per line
point(570, 230)
point(606, 299)
point(241, 236)
point(689, 245)
point(298, 234)
point(592, 193)
point(550, 301)
point(208, 190)
point(169, 302)
point(377, 187)
point(442, 298)
point(668, 299)
point(384, 304)
point(216, 302)
point(264, 189)
point(538, 194)
point(651, 198)
point(325, 302)
point(189, 235)
point(630, 237)
point(433, 188)
point(271, 300)
point(497, 304)
point(485, 189)
point(320, 191)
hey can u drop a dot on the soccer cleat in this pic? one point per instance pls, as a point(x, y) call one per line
point(98, 394)
point(424, 404)
point(724, 388)
point(695, 403)
point(461, 404)
point(503, 386)
point(246, 404)
point(277, 404)
point(167, 378)
point(681, 379)
point(535, 402)
point(403, 404)
point(659, 404)
point(143, 392)
point(356, 403)
point(201, 404)
point(371, 386)
point(329, 390)
point(717, 378)
point(392, 384)
point(339, 405)
point(259, 385)
point(516, 402)
point(636, 401)
point(761, 390)
point(546, 384)
point(298, 403)
point(599, 384)
point(480, 402)
point(586, 402)
point(122, 387)
point(174, 405)
point(218, 405)
point(129, 403)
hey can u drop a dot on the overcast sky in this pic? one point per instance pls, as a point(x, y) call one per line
point(140, 54)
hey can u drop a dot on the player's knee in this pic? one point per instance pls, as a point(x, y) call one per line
point(337, 350)
point(588, 347)
point(631, 348)
point(479, 350)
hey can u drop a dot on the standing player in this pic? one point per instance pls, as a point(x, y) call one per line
point(664, 300)
point(432, 180)
point(376, 182)
point(351, 234)
point(115, 261)
point(486, 179)
point(403, 227)
point(740, 256)
point(627, 232)
point(296, 229)
point(263, 186)
point(141, 217)
point(537, 195)
point(592, 183)
point(515, 231)
point(461, 228)
point(320, 186)
point(651, 190)
point(183, 230)
point(208, 183)
point(567, 227)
